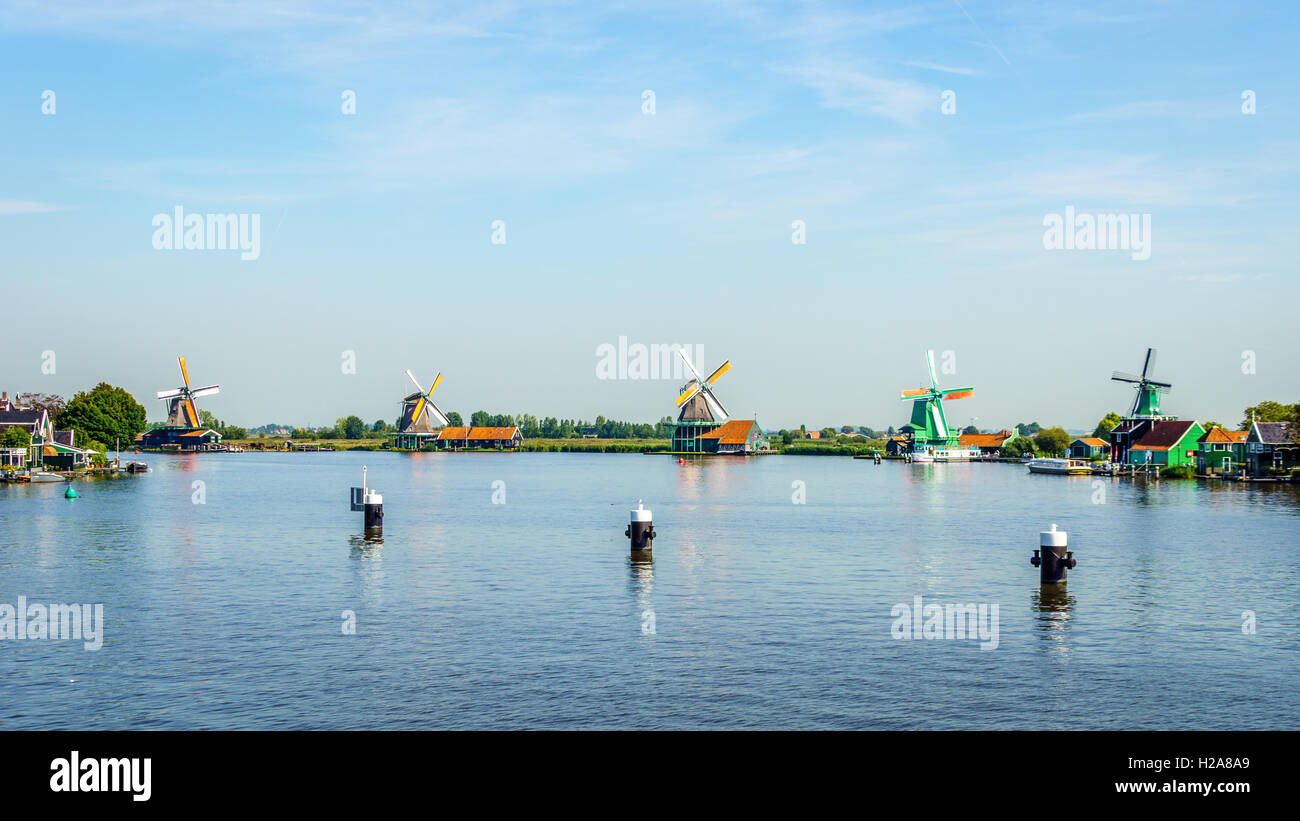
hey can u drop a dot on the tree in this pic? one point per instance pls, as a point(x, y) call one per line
point(104, 414)
point(1209, 426)
point(828, 433)
point(1268, 411)
point(1102, 431)
point(480, 419)
point(52, 404)
point(970, 429)
point(1017, 447)
point(353, 427)
point(15, 436)
point(1027, 429)
point(455, 420)
point(1052, 440)
point(379, 427)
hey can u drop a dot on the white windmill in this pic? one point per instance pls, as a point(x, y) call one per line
point(697, 401)
point(181, 412)
point(419, 414)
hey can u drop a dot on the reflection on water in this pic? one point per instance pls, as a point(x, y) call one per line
point(1054, 606)
point(641, 583)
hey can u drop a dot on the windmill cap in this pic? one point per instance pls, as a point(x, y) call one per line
point(1052, 538)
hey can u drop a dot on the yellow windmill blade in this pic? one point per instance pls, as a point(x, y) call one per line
point(189, 412)
point(723, 368)
point(419, 406)
point(687, 394)
point(184, 373)
point(434, 386)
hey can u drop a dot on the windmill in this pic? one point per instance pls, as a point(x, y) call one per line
point(419, 414)
point(181, 412)
point(1147, 401)
point(929, 425)
point(697, 401)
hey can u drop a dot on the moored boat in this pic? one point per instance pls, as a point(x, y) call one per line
point(1060, 467)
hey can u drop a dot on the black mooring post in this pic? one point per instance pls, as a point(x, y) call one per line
point(641, 529)
point(1054, 558)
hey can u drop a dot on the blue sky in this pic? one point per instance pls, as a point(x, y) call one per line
point(924, 229)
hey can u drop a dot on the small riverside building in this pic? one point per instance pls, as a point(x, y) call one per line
point(52, 448)
point(1089, 447)
point(179, 440)
point(1167, 443)
point(487, 438)
point(988, 444)
point(1221, 451)
point(1269, 446)
point(736, 436)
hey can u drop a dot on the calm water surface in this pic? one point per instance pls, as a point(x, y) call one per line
point(530, 614)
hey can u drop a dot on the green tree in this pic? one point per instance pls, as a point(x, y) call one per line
point(353, 427)
point(1017, 447)
point(104, 414)
point(1102, 431)
point(15, 437)
point(1052, 440)
point(455, 419)
point(970, 429)
point(1212, 425)
point(1268, 411)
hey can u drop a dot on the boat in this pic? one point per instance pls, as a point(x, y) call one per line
point(1060, 467)
point(42, 476)
point(137, 467)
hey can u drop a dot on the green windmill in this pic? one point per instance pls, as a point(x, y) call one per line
point(929, 425)
point(1147, 402)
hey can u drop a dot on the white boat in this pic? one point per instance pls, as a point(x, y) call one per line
point(1060, 467)
point(42, 476)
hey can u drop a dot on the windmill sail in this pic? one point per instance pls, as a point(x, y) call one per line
point(697, 399)
point(419, 413)
point(181, 410)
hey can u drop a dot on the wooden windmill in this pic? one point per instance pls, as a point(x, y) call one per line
point(1147, 402)
point(697, 400)
point(929, 425)
point(181, 412)
point(419, 414)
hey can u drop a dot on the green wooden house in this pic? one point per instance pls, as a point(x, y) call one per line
point(1168, 443)
point(1221, 451)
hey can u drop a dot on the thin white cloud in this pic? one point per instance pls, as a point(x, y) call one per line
point(27, 207)
point(900, 100)
point(965, 72)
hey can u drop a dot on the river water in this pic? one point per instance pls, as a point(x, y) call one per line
point(503, 596)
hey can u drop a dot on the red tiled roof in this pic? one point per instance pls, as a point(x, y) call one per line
point(476, 433)
point(1164, 434)
point(984, 440)
point(735, 432)
point(491, 433)
point(1093, 441)
point(1221, 435)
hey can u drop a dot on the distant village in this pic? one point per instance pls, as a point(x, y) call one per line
point(1144, 439)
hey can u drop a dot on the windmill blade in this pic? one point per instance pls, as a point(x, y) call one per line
point(957, 393)
point(188, 407)
point(208, 391)
point(1120, 376)
point(419, 406)
point(170, 394)
point(715, 407)
point(691, 389)
point(413, 382)
point(723, 368)
point(1150, 364)
point(185, 374)
point(434, 386)
point(687, 360)
point(939, 426)
point(1164, 386)
point(929, 360)
point(909, 394)
point(437, 414)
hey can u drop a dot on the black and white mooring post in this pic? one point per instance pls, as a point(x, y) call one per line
point(366, 499)
point(641, 530)
point(1055, 558)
